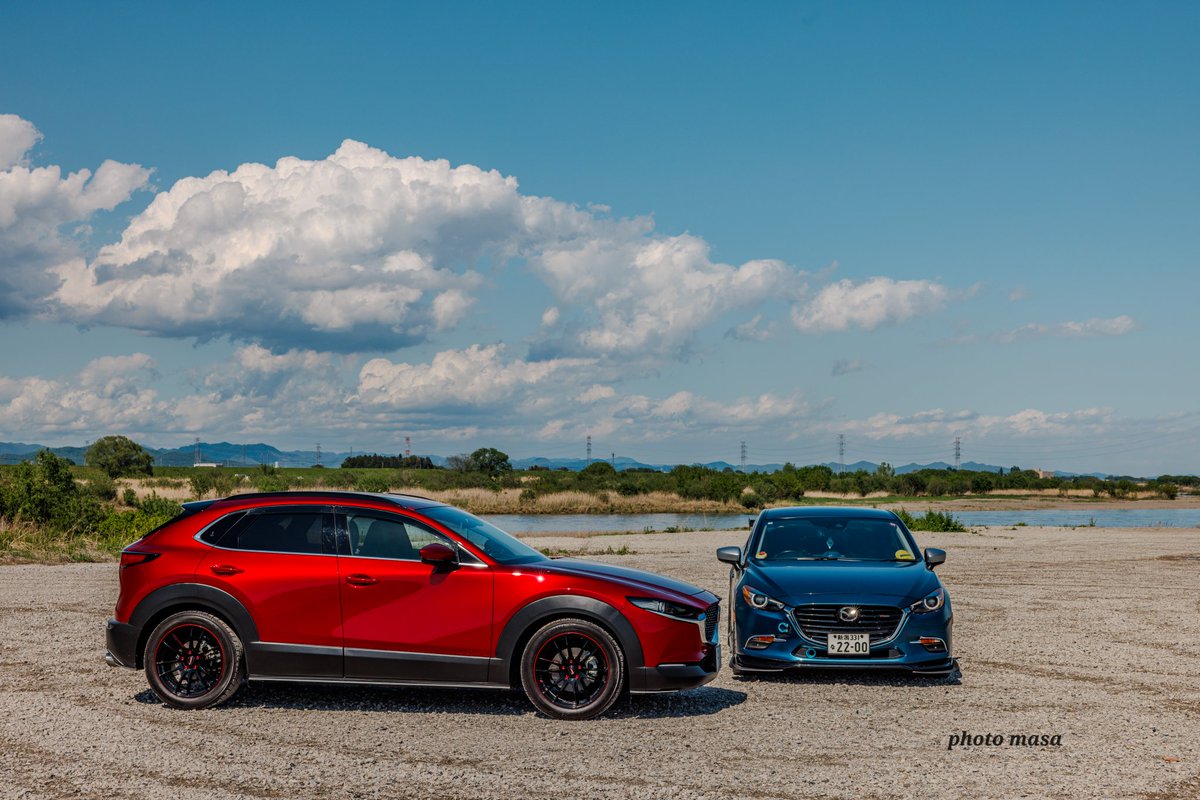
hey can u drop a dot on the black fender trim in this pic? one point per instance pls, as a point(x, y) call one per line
point(571, 605)
point(199, 596)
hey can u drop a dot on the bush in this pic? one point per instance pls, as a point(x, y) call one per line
point(129, 497)
point(339, 478)
point(270, 483)
point(156, 506)
point(102, 487)
point(118, 456)
point(212, 480)
point(931, 521)
point(751, 500)
point(120, 528)
point(371, 483)
point(45, 493)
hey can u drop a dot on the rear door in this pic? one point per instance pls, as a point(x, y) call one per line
point(401, 619)
point(280, 562)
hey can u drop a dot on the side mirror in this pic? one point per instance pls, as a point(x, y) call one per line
point(934, 556)
point(730, 555)
point(441, 556)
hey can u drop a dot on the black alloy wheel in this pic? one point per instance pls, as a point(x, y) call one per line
point(572, 669)
point(193, 660)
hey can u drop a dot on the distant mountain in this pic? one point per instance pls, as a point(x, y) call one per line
point(236, 455)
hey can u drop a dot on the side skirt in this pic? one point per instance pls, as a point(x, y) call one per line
point(379, 682)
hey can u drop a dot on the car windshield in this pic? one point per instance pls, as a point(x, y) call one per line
point(498, 545)
point(833, 539)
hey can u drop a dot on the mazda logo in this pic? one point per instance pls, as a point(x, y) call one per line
point(848, 614)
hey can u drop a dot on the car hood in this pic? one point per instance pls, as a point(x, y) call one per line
point(634, 578)
point(799, 582)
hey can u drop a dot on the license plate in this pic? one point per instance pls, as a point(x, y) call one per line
point(849, 644)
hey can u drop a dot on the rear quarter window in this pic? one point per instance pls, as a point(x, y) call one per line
point(305, 532)
point(216, 531)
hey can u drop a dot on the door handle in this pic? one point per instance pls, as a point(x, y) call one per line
point(358, 579)
point(226, 569)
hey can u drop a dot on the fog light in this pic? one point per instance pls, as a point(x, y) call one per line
point(759, 642)
point(932, 644)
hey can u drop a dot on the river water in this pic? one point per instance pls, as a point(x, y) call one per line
point(639, 523)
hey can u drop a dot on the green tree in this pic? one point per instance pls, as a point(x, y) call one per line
point(598, 469)
point(490, 461)
point(45, 492)
point(119, 456)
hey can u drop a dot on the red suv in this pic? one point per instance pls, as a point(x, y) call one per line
point(342, 587)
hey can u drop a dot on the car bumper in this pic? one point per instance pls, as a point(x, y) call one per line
point(676, 677)
point(941, 667)
point(924, 644)
point(121, 639)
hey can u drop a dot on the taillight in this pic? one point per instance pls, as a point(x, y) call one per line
point(131, 558)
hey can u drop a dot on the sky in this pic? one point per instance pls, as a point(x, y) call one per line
point(672, 227)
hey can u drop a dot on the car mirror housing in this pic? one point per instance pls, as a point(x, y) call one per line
point(730, 555)
point(934, 556)
point(441, 556)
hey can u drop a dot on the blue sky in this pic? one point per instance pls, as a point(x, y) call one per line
point(674, 227)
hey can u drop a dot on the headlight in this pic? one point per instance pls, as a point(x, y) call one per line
point(932, 602)
point(760, 599)
point(667, 608)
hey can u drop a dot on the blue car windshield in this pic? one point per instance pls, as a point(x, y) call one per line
point(498, 545)
point(833, 539)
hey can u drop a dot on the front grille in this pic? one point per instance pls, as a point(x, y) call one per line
point(712, 616)
point(815, 622)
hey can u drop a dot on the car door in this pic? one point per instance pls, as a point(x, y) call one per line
point(280, 562)
point(403, 619)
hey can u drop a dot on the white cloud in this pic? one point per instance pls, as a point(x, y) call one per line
point(1018, 294)
point(869, 304)
point(1097, 326)
point(109, 394)
point(476, 377)
point(362, 250)
point(358, 250)
point(34, 204)
point(17, 138)
point(940, 422)
point(633, 294)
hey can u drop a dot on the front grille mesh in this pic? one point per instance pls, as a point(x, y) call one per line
point(817, 621)
point(712, 616)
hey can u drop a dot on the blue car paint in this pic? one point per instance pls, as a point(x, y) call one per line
point(840, 583)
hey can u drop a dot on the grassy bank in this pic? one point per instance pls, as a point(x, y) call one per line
point(51, 510)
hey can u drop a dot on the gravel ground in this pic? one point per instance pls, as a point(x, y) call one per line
point(1088, 634)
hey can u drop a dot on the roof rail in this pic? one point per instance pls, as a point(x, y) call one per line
point(328, 493)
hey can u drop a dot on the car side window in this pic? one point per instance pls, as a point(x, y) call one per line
point(306, 532)
point(374, 535)
point(216, 531)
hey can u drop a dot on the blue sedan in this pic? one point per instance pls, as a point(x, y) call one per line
point(837, 587)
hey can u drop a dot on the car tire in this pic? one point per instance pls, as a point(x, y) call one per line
point(572, 669)
point(193, 659)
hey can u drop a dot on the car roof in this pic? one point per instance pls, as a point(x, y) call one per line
point(405, 501)
point(827, 512)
